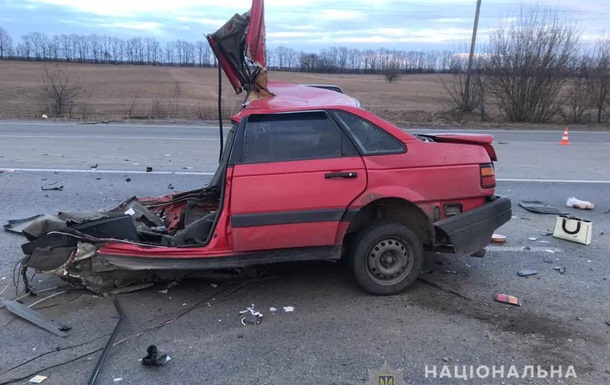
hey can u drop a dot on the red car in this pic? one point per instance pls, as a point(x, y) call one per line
point(305, 175)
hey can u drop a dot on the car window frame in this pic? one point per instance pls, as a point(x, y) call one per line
point(350, 134)
point(348, 148)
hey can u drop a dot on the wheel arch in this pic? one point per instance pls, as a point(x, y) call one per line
point(394, 209)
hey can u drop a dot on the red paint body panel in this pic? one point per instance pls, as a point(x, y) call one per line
point(255, 38)
point(285, 236)
point(289, 187)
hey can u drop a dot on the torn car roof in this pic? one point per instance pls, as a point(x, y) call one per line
point(294, 97)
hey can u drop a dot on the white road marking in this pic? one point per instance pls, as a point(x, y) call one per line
point(106, 137)
point(513, 249)
point(11, 169)
point(553, 180)
point(91, 171)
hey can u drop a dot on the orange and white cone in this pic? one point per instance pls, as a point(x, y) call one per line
point(564, 139)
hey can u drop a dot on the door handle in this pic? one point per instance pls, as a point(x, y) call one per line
point(349, 174)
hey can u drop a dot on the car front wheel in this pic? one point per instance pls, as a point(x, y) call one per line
point(387, 258)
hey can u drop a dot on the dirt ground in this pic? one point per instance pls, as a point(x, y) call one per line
point(124, 91)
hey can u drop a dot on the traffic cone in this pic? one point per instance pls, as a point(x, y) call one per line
point(564, 139)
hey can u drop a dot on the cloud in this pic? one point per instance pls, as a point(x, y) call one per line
point(303, 24)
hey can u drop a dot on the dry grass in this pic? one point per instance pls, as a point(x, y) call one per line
point(115, 92)
point(123, 91)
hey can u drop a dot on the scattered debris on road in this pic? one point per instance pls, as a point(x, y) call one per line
point(532, 238)
point(498, 239)
point(578, 204)
point(37, 379)
point(539, 207)
point(127, 179)
point(573, 229)
point(109, 343)
point(250, 316)
point(154, 357)
point(17, 225)
point(170, 186)
point(149, 169)
point(288, 309)
point(36, 318)
point(57, 188)
point(509, 299)
point(527, 272)
point(560, 269)
point(94, 166)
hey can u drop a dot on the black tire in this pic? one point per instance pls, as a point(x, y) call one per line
point(386, 258)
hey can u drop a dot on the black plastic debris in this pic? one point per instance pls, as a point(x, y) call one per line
point(250, 316)
point(539, 207)
point(127, 179)
point(57, 188)
point(94, 166)
point(527, 272)
point(36, 318)
point(17, 225)
point(154, 357)
point(149, 169)
point(170, 186)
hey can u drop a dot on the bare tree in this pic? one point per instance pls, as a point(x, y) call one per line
point(529, 63)
point(6, 43)
point(59, 93)
point(391, 71)
point(95, 44)
point(290, 56)
point(598, 78)
point(203, 53)
point(455, 88)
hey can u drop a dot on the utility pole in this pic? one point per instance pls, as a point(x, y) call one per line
point(471, 57)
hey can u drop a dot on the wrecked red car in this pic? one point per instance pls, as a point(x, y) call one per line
point(305, 175)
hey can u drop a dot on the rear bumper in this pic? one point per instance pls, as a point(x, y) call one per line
point(471, 231)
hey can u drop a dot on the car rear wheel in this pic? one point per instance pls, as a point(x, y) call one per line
point(386, 258)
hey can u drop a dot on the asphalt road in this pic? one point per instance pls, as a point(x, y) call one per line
point(193, 149)
point(336, 333)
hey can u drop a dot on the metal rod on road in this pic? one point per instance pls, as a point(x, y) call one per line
point(471, 57)
point(109, 344)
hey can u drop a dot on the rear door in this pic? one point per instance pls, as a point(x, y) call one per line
point(294, 176)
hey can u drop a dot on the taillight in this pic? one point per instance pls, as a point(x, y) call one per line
point(488, 176)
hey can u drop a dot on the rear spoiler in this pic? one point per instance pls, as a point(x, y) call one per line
point(484, 140)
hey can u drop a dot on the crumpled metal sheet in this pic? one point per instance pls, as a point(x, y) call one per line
point(17, 225)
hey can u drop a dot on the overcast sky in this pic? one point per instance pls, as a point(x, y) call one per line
point(300, 24)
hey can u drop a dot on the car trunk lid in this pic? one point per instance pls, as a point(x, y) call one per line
point(484, 140)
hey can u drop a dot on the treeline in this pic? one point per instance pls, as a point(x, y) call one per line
point(75, 48)
point(104, 49)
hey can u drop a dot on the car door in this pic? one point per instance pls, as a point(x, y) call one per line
point(294, 175)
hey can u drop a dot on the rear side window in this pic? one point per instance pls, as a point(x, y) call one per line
point(277, 138)
point(370, 139)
